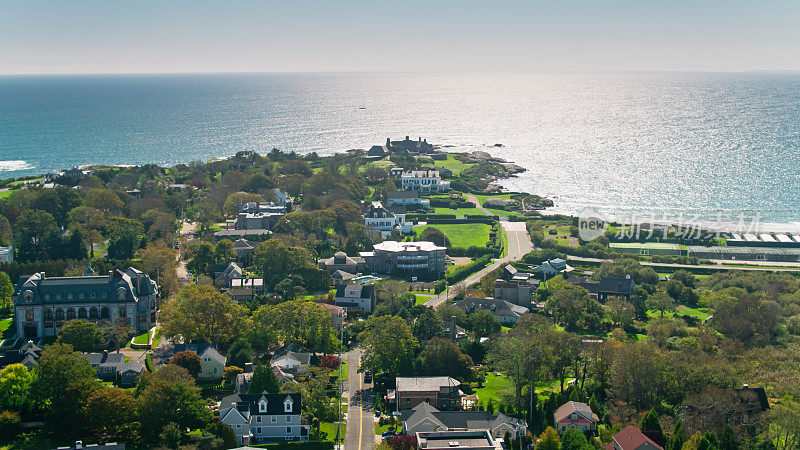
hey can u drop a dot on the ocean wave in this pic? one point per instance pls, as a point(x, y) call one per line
point(17, 164)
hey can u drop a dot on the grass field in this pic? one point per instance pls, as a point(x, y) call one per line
point(451, 163)
point(462, 235)
point(5, 194)
point(4, 324)
point(329, 428)
point(380, 429)
point(492, 387)
point(456, 212)
point(421, 299)
point(700, 313)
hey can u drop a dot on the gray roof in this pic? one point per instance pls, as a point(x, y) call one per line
point(575, 407)
point(85, 289)
point(405, 384)
point(249, 402)
point(610, 285)
point(97, 359)
point(474, 420)
point(402, 194)
point(304, 358)
point(495, 305)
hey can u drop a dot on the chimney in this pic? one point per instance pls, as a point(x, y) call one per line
point(627, 276)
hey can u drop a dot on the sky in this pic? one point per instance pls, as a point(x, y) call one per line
point(105, 36)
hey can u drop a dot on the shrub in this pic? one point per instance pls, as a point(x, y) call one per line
point(469, 269)
point(10, 424)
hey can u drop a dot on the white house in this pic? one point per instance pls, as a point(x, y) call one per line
point(296, 361)
point(406, 198)
point(377, 217)
point(355, 296)
point(6, 255)
point(263, 417)
point(426, 181)
point(212, 363)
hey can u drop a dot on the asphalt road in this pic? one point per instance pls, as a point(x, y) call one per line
point(360, 423)
point(518, 243)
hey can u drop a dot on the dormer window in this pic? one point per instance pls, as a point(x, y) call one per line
point(287, 405)
point(28, 296)
point(262, 406)
point(121, 293)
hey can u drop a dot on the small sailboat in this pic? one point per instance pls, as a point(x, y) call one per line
point(362, 106)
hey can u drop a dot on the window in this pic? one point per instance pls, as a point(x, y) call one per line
point(69, 296)
point(105, 294)
point(258, 419)
point(29, 315)
point(70, 314)
point(58, 296)
point(93, 313)
point(258, 430)
point(238, 425)
point(48, 314)
point(123, 312)
point(121, 293)
point(287, 405)
point(104, 312)
point(28, 296)
point(262, 406)
point(288, 419)
point(59, 314)
point(82, 313)
point(81, 295)
point(92, 295)
point(288, 430)
point(47, 297)
point(274, 419)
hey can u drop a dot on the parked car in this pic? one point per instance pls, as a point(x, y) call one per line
point(367, 376)
point(388, 434)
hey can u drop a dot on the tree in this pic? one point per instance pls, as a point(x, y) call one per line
point(81, 334)
point(6, 291)
point(650, 422)
point(201, 257)
point(390, 345)
point(574, 439)
point(170, 395)
point(427, 325)
point(10, 424)
point(33, 228)
point(264, 380)
point(202, 314)
point(568, 304)
point(448, 311)
point(240, 353)
point(230, 373)
point(188, 360)
point(549, 440)
point(728, 439)
point(622, 312)
point(235, 201)
point(123, 245)
point(640, 374)
point(59, 367)
point(110, 412)
point(224, 432)
point(159, 262)
point(483, 323)
point(443, 357)
point(274, 260)
point(678, 436)
point(660, 301)
point(305, 323)
point(171, 435)
point(224, 252)
point(436, 236)
point(104, 200)
point(15, 382)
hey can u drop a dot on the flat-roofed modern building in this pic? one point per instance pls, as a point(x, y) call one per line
point(425, 258)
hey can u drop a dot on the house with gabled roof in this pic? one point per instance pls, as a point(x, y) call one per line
point(576, 415)
point(212, 362)
point(425, 417)
point(632, 438)
point(505, 312)
point(263, 418)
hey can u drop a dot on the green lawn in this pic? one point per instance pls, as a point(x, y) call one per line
point(699, 313)
point(492, 387)
point(452, 163)
point(157, 338)
point(21, 182)
point(421, 299)
point(4, 324)
point(140, 339)
point(5, 194)
point(380, 429)
point(329, 428)
point(456, 212)
point(462, 235)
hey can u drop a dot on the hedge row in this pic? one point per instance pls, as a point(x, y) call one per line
point(463, 272)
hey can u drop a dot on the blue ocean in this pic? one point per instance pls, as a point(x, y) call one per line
point(694, 143)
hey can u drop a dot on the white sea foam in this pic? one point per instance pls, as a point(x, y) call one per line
point(17, 164)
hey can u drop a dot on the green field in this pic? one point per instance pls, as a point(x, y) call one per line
point(421, 299)
point(492, 387)
point(380, 429)
point(329, 428)
point(451, 163)
point(5, 194)
point(462, 235)
point(700, 313)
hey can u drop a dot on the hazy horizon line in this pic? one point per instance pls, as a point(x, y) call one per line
point(407, 72)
